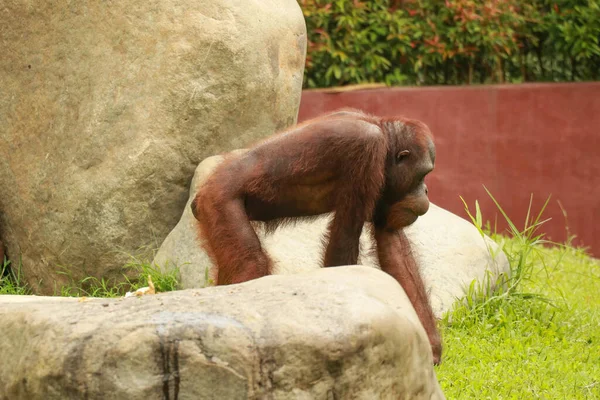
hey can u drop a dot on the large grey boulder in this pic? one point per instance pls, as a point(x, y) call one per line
point(344, 333)
point(107, 108)
point(450, 250)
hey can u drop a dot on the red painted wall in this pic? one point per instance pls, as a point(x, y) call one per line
point(517, 140)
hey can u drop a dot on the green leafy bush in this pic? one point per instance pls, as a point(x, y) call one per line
point(427, 42)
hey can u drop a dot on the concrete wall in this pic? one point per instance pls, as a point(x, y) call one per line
point(517, 140)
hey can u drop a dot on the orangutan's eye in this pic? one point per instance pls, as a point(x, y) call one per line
point(402, 155)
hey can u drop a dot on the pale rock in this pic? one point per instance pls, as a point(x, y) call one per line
point(106, 108)
point(450, 251)
point(343, 333)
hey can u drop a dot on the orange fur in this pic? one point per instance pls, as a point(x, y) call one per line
point(362, 167)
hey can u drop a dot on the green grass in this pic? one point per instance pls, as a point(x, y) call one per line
point(137, 274)
point(11, 279)
point(526, 348)
point(536, 335)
